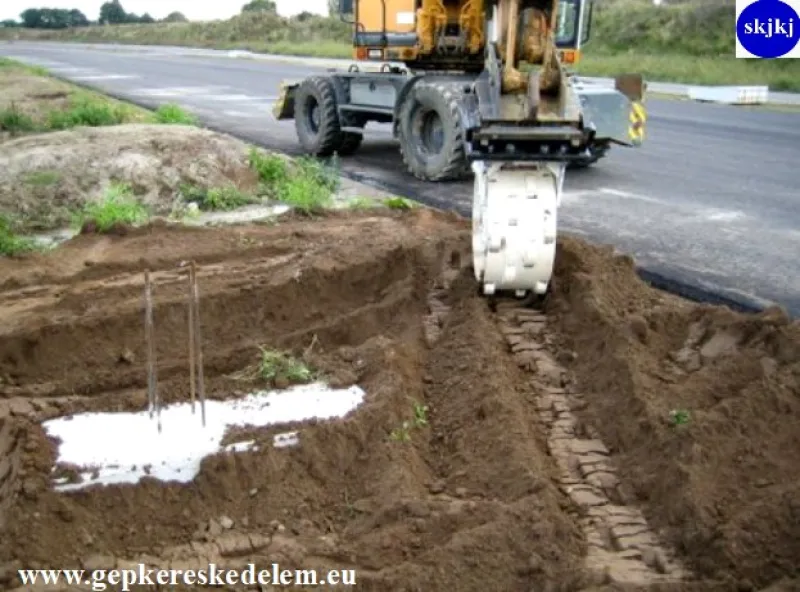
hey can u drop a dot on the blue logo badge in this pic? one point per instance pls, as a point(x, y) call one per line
point(768, 28)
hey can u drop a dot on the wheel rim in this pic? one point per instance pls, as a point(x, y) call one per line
point(313, 116)
point(429, 129)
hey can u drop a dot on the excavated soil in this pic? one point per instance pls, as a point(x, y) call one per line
point(45, 177)
point(551, 458)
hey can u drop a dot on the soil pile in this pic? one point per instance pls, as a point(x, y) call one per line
point(45, 176)
point(623, 438)
point(699, 405)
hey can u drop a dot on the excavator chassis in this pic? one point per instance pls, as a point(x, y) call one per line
point(518, 166)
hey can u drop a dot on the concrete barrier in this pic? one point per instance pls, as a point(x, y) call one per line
point(730, 95)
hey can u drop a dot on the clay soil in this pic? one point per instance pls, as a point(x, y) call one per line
point(475, 500)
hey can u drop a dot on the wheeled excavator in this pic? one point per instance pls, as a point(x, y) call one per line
point(475, 87)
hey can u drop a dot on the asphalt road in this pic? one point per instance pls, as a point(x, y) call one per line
point(711, 203)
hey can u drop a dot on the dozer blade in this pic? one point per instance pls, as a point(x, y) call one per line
point(284, 106)
point(514, 224)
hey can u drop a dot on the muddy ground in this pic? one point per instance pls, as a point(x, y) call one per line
point(620, 437)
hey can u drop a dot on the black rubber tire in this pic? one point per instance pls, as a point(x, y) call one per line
point(319, 135)
point(433, 101)
point(350, 142)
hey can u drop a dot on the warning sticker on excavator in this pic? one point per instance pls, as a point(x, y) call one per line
point(637, 118)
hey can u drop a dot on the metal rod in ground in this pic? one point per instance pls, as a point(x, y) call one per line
point(152, 348)
point(148, 338)
point(201, 387)
point(192, 372)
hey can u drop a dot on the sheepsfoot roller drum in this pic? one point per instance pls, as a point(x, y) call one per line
point(514, 224)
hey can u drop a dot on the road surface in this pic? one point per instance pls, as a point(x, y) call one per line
point(710, 206)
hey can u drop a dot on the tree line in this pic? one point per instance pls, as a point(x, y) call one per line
point(111, 13)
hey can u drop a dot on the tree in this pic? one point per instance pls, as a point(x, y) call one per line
point(53, 18)
point(78, 19)
point(146, 18)
point(8, 24)
point(260, 6)
point(175, 17)
point(112, 13)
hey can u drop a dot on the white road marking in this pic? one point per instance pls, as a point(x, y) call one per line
point(73, 70)
point(241, 98)
point(177, 91)
point(106, 77)
point(725, 216)
point(243, 114)
point(627, 195)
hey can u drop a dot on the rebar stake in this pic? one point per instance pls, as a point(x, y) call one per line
point(153, 403)
point(192, 372)
point(201, 387)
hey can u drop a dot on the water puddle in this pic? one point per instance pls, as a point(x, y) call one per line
point(118, 447)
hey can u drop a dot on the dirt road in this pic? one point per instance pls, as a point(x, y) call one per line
point(620, 436)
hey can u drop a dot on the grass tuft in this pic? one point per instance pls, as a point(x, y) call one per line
point(90, 111)
point(11, 243)
point(306, 184)
point(15, 121)
point(173, 114)
point(216, 199)
point(119, 207)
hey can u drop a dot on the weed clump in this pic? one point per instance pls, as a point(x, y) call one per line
point(118, 210)
point(306, 184)
point(10, 242)
point(90, 112)
point(216, 199)
point(172, 114)
point(277, 369)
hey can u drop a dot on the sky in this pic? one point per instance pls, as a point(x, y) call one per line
point(195, 10)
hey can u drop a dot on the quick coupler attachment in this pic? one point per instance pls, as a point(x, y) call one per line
point(504, 142)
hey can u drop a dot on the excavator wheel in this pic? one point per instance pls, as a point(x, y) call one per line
point(349, 144)
point(316, 120)
point(431, 133)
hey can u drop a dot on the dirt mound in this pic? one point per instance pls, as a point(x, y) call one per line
point(447, 499)
point(45, 176)
point(700, 407)
point(626, 440)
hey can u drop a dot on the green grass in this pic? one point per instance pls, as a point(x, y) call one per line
point(9, 64)
point(119, 207)
point(90, 111)
point(216, 199)
point(275, 366)
point(402, 433)
point(687, 42)
point(305, 184)
point(43, 178)
point(10, 242)
point(15, 122)
point(173, 114)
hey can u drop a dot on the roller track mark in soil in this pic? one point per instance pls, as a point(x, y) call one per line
point(622, 548)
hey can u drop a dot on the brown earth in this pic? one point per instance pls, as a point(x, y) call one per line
point(549, 460)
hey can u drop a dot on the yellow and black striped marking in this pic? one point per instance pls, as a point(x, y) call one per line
point(638, 117)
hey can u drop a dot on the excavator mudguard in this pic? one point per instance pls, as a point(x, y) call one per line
point(617, 114)
point(284, 106)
